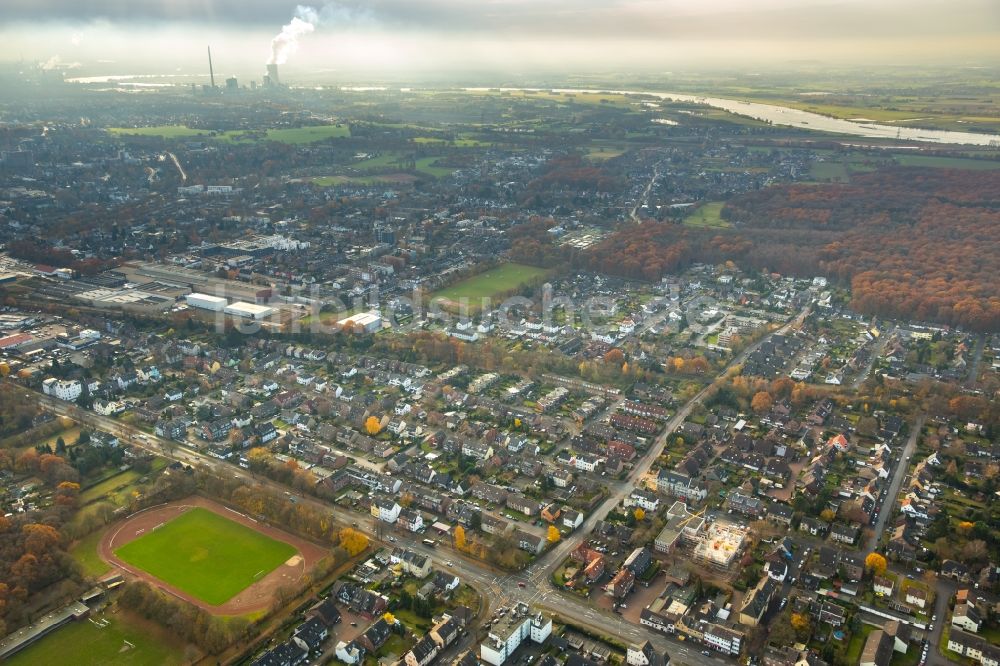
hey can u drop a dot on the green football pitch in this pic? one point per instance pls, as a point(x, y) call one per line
point(206, 555)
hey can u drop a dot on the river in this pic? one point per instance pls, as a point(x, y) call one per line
point(788, 117)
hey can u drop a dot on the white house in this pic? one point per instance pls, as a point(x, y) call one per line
point(108, 408)
point(586, 463)
point(508, 634)
point(643, 499)
point(64, 389)
point(350, 653)
point(967, 617)
point(572, 519)
point(883, 586)
point(386, 510)
point(916, 597)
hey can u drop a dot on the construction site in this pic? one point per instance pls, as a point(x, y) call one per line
point(719, 544)
point(712, 544)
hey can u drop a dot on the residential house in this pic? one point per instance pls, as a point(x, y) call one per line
point(311, 634)
point(525, 505)
point(967, 617)
point(844, 533)
point(622, 583)
point(350, 653)
point(532, 543)
point(571, 519)
point(376, 635)
point(412, 563)
point(385, 509)
point(683, 486)
point(646, 655)
point(411, 519)
point(877, 650)
point(916, 596)
point(643, 499)
point(756, 601)
point(883, 586)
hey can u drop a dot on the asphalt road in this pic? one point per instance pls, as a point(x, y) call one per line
point(899, 473)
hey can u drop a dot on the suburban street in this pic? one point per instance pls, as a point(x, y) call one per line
point(899, 473)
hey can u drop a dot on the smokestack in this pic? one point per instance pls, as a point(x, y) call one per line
point(272, 74)
point(211, 72)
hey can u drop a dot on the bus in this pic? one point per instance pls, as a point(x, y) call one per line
point(430, 543)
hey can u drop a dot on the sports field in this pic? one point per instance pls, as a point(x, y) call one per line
point(98, 641)
point(491, 283)
point(206, 555)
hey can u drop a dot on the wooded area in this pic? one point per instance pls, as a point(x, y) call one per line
point(914, 243)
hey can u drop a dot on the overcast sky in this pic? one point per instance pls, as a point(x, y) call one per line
point(398, 36)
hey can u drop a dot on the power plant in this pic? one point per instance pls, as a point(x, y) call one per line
point(271, 79)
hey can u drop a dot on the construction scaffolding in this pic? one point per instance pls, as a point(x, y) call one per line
point(719, 544)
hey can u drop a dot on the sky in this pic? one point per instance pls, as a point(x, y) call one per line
point(399, 37)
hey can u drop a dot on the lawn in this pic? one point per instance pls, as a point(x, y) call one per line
point(835, 171)
point(707, 215)
point(389, 179)
point(85, 553)
point(109, 486)
point(84, 643)
point(206, 555)
point(298, 135)
point(857, 644)
point(379, 162)
point(600, 153)
point(425, 165)
point(428, 165)
point(494, 282)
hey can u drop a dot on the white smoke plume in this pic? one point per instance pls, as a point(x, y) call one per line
point(287, 41)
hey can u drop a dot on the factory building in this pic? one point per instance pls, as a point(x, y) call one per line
point(249, 310)
point(206, 302)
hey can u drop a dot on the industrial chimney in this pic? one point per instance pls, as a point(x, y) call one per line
point(211, 72)
point(272, 75)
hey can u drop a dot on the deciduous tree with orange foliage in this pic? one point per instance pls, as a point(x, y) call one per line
point(353, 541)
point(761, 402)
point(875, 563)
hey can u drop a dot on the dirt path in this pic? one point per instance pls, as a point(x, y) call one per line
point(258, 596)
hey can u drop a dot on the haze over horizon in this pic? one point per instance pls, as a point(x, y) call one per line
point(400, 38)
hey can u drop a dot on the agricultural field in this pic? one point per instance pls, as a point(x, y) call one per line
point(491, 283)
point(98, 641)
point(300, 135)
point(946, 162)
point(707, 215)
point(424, 165)
point(605, 151)
point(206, 555)
point(388, 179)
point(291, 135)
point(833, 171)
point(165, 131)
